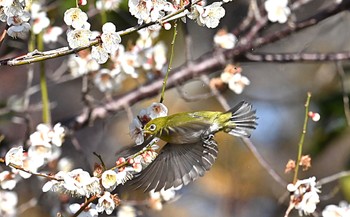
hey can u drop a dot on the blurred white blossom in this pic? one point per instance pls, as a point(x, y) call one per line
point(39, 17)
point(277, 10)
point(107, 5)
point(126, 211)
point(8, 180)
point(158, 198)
point(89, 211)
point(82, 64)
point(8, 203)
point(224, 39)
point(342, 210)
point(51, 34)
point(15, 156)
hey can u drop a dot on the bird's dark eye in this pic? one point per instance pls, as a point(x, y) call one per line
point(152, 127)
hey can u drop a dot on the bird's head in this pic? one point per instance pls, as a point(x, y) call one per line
point(154, 127)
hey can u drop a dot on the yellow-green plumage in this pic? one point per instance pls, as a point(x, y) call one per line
point(192, 126)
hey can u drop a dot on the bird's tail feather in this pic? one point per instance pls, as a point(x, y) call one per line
point(242, 121)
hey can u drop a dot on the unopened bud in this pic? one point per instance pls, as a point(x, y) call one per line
point(167, 26)
point(314, 116)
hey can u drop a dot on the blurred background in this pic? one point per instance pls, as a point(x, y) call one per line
point(237, 185)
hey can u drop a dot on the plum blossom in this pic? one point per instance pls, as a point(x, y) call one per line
point(110, 38)
point(109, 180)
point(107, 5)
point(110, 41)
point(77, 183)
point(78, 37)
point(304, 195)
point(39, 17)
point(99, 54)
point(342, 210)
point(15, 156)
point(8, 180)
point(8, 203)
point(149, 11)
point(47, 135)
point(89, 211)
point(277, 10)
point(233, 77)
point(13, 12)
point(106, 80)
point(211, 15)
point(208, 16)
point(107, 202)
point(158, 198)
point(224, 39)
point(82, 64)
point(136, 131)
point(75, 17)
point(51, 34)
point(155, 110)
point(126, 211)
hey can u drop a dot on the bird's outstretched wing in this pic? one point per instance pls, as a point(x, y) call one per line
point(177, 164)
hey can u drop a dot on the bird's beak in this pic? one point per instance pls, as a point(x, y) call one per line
point(146, 133)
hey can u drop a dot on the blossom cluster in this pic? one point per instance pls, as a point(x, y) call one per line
point(79, 35)
point(145, 56)
point(209, 15)
point(44, 146)
point(149, 11)
point(152, 11)
point(136, 127)
point(304, 195)
point(79, 183)
point(14, 14)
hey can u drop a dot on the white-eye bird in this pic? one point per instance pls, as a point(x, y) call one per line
point(190, 150)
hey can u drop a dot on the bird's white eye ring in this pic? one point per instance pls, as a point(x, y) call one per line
point(152, 127)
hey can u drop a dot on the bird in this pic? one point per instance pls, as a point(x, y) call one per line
point(190, 148)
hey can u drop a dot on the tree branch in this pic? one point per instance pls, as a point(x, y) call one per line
point(297, 57)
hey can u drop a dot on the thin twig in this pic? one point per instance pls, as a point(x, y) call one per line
point(52, 177)
point(101, 160)
point(333, 177)
point(171, 56)
point(264, 163)
point(302, 137)
point(346, 105)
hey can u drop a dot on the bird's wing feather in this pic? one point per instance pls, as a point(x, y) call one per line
point(177, 164)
